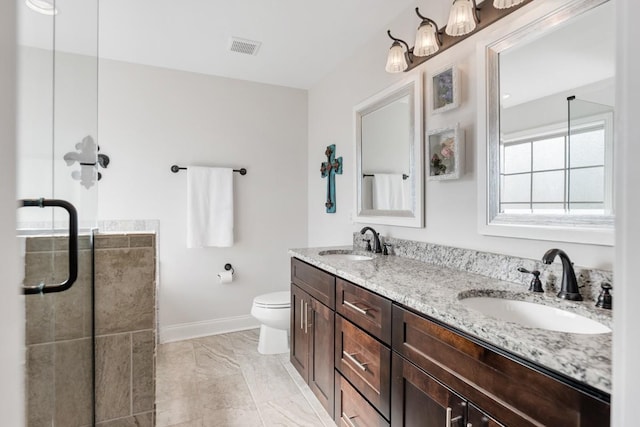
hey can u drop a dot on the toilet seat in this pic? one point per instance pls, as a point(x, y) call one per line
point(273, 300)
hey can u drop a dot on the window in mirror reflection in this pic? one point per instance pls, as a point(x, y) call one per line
point(555, 143)
point(560, 170)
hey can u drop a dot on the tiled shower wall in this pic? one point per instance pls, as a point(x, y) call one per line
point(58, 355)
point(58, 336)
point(125, 296)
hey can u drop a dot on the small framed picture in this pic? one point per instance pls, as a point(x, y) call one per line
point(445, 151)
point(444, 89)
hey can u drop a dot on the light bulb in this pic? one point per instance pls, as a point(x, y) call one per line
point(396, 61)
point(461, 18)
point(426, 40)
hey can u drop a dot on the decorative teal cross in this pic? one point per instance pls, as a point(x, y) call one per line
point(328, 169)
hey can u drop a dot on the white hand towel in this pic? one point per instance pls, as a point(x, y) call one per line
point(209, 207)
point(388, 192)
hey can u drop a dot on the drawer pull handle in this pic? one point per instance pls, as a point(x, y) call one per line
point(361, 365)
point(448, 421)
point(469, 425)
point(347, 420)
point(301, 314)
point(363, 311)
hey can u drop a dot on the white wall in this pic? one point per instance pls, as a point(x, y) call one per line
point(626, 316)
point(451, 207)
point(11, 318)
point(151, 118)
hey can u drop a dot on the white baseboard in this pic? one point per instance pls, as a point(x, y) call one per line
point(185, 331)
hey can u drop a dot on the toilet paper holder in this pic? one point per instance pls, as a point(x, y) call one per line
point(227, 275)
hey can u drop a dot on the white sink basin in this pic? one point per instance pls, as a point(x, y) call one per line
point(345, 255)
point(535, 315)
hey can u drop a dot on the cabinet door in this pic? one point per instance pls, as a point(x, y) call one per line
point(420, 400)
point(299, 349)
point(477, 418)
point(321, 377)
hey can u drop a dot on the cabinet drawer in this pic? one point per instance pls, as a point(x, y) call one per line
point(520, 395)
point(364, 308)
point(352, 410)
point(365, 362)
point(317, 283)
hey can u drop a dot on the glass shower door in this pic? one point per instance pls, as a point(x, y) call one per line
point(57, 166)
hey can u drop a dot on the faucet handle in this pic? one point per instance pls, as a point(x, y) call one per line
point(386, 246)
point(605, 298)
point(536, 284)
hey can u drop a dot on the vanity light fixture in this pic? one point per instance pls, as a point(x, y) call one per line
point(428, 37)
point(463, 18)
point(506, 4)
point(45, 7)
point(464, 21)
point(397, 58)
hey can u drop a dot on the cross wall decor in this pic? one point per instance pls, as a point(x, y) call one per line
point(328, 170)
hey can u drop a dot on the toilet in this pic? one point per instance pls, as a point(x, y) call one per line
point(273, 311)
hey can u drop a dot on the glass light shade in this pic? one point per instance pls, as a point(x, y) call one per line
point(506, 4)
point(396, 61)
point(45, 7)
point(461, 18)
point(426, 40)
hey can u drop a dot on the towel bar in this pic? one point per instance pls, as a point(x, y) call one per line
point(176, 169)
point(364, 175)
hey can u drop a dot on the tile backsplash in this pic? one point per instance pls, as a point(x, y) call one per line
point(497, 266)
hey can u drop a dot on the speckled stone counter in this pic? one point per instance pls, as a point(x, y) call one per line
point(436, 292)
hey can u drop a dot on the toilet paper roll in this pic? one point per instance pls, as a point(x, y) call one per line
point(225, 276)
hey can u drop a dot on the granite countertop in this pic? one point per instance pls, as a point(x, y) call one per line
point(435, 291)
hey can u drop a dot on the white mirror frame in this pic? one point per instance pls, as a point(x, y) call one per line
point(410, 218)
point(590, 229)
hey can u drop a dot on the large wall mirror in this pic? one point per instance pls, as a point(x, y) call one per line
point(550, 108)
point(388, 132)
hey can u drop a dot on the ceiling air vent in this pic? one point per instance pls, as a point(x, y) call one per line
point(248, 47)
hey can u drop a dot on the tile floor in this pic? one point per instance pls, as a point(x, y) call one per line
point(222, 380)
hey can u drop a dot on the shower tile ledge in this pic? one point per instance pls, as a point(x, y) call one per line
point(434, 291)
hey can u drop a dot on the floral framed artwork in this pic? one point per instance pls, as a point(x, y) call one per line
point(445, 151)
point(444, 89)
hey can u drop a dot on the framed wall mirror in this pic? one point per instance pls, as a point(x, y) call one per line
point(388, 132)
point(549, 130)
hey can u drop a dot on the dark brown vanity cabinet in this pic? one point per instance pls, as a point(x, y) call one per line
point(312, 329)
point(502, 390)
point(395, 367)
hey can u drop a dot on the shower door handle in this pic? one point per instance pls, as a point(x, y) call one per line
point(73, 245)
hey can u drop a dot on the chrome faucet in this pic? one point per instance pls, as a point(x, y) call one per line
point(377, 247)
point(569, 289)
